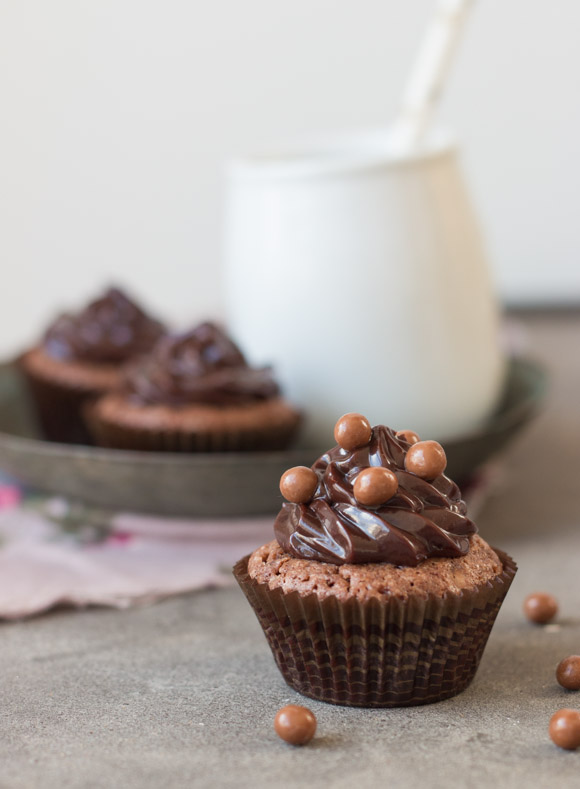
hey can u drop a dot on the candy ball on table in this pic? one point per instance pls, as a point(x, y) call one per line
point(568, 672)
point(295, 724)
point(540, 607)
point(564, 729)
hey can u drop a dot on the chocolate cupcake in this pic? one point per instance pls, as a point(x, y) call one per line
point(377, 591)
point(80, 358)
point(195, 393)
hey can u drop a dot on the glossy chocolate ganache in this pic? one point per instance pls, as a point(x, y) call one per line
point(109, 330)
point(199, 366)
point(379, 496)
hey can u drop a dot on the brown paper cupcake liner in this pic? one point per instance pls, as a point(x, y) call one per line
point(390, 653)
point(118, 436)
point(60, 409)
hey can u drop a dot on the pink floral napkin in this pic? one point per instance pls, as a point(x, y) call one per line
point(55, 553)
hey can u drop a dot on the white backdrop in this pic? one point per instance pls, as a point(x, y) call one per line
point(116, 117)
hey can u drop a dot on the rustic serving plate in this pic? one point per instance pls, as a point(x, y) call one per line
point(212, 485)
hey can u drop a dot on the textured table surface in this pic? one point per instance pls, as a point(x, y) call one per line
point(184, 693)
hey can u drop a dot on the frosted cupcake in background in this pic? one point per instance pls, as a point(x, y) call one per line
point(81, 356)
point(377, 590)
point(195, 392)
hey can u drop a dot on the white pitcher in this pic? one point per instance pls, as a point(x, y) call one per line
point(359, 274)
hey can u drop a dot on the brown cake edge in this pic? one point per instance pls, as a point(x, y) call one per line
point(438, 576)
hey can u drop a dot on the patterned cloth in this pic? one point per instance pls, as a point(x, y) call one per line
point(56, 553)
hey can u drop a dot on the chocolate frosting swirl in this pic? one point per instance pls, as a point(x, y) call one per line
point(423, 519)
point(199, 366)
point(109, 330)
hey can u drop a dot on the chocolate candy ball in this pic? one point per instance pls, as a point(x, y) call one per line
point(540, 607)
point(352, 431)
point(565, 729)
point(408, 435)
point(298, 484)
point(295, 724)
point(374, 486)
point(426, 459)
point(568, 672)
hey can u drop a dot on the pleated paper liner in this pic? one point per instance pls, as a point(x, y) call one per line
point(60, 409)
point(118, 435)
point(390, 653)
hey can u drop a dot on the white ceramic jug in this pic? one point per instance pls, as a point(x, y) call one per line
point(360, 275)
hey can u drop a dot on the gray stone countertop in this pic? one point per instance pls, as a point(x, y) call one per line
point(184, 693)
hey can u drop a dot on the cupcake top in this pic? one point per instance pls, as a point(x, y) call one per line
point(109, 330)
point(379, 496)
point(199, 366)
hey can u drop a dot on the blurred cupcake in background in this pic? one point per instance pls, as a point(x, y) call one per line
point(80, 357)
point(195, 392)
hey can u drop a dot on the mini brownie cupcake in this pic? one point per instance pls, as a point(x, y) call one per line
point(195, 393)
point(377, 591)
point(80, 357)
